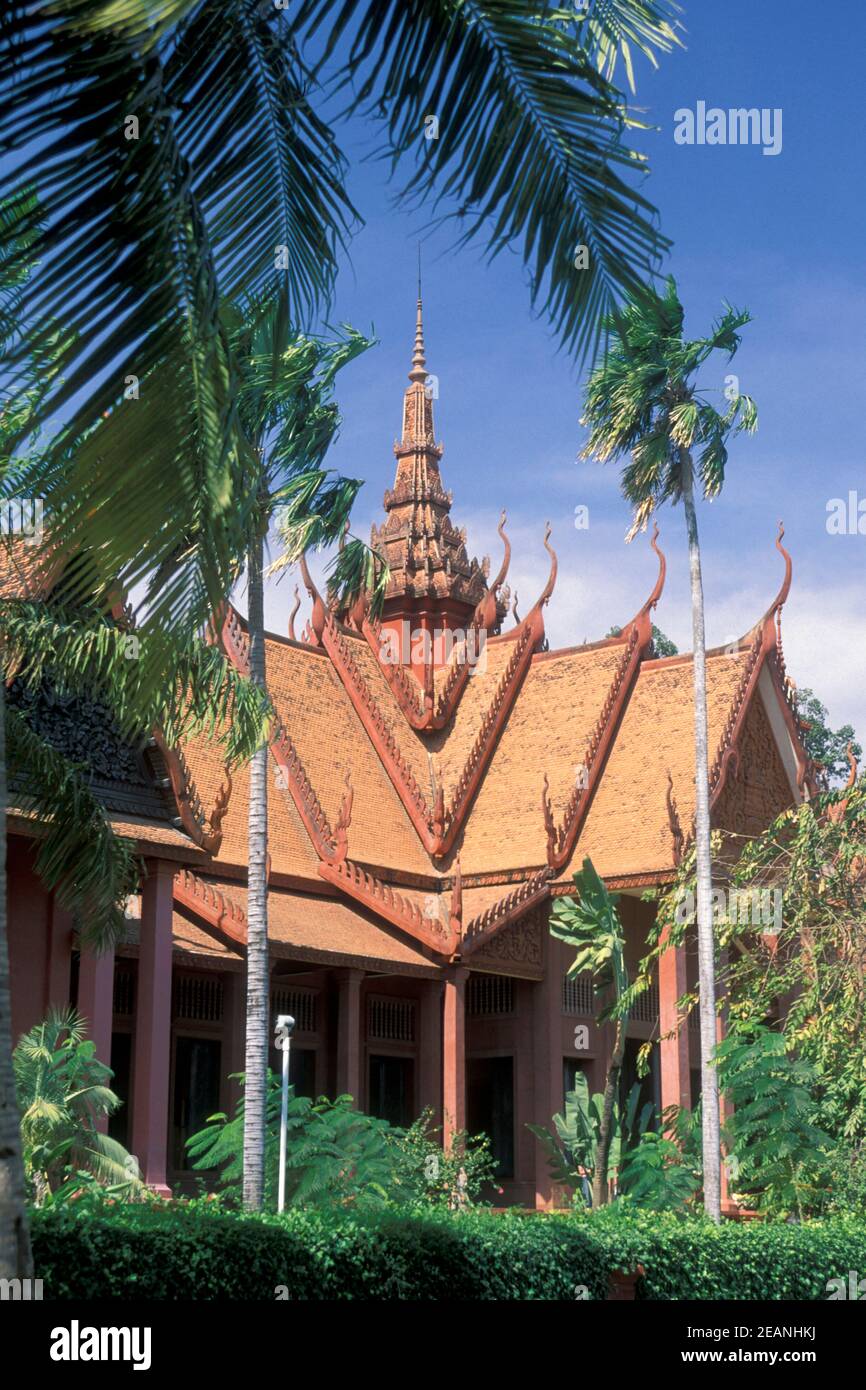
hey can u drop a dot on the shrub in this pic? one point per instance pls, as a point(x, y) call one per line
point(63, 1092)
point(338, 1156)
point(196, 1250)
point(691, 1258)
point(186, 1251)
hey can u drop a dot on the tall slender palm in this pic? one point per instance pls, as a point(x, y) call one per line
point(78, 650)
point(287, 420)
point(642, 402)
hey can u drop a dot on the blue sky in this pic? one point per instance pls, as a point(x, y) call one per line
point(783, 235)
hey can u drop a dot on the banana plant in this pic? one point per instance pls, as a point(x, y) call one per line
point(590, 922)
point(573, 1153)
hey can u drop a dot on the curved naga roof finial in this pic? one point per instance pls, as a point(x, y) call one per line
point(318, 618)
point(506, 559)
point(837, 812)
point(852, 767)
point(549, 824)
point(544, 596)
point(485, 612)
point(677, 837)
point(663, 569)
point(641, 620)
point(786, 582)
point(294, 613)
point(770, 624)
point(343, 821)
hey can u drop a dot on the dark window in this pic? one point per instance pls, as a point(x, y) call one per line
point(491, 1107)
point(196, 1090)
point(302, 1071)
point(571, 1066)
point(695, 1085)
point(649, 1084)
point(121, 1065)
point(391, 1081)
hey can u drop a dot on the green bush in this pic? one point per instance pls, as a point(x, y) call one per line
point(184, 1251)
point(337, 1156)
point(692, 1258)
point(196, 1250)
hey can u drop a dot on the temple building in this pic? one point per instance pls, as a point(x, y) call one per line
point(438, 776)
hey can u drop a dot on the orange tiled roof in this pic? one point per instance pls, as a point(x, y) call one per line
point(327, 932)
point(393, 790)
point(603, 709)
point(547, 732)
point(627, 830)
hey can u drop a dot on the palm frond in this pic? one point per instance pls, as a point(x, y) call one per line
point(78, 855)
point(530, 142)
point(267, 171)
point(199, 690)
point(137, 125)
point(613, 27)
point(642, 401)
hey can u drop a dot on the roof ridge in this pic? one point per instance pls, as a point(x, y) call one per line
point(380, 898)
point(221, 913)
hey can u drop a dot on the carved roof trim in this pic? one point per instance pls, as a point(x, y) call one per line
point(483, 928)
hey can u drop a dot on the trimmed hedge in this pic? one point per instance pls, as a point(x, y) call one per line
point(176, 1253)
point(190, 1252)
point(736, 1260)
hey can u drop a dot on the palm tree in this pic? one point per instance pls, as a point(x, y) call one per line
point(287, 420)
point(78, 649)
point(642, 402)
point(179, 160)
point(92, 871)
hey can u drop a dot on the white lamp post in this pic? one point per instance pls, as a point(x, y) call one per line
point(283, 1041)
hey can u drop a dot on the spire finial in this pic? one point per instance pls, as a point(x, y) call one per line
point(419, 360)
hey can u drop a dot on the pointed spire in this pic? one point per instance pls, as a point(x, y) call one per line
point(419, 359)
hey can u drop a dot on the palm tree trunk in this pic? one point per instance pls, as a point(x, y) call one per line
point(258, 991)
point(706, 937)
point(16, 1260)
point(605, 1129)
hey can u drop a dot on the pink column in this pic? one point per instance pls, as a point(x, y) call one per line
point(349, 1034)
point(547, 1061)
point(454, 1055)
point(673, 1051)
point(429, 1092)
point(153, 1026)
point(59, 958)
point(96, 1004)
point(96, 998)
point(234, 1033)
